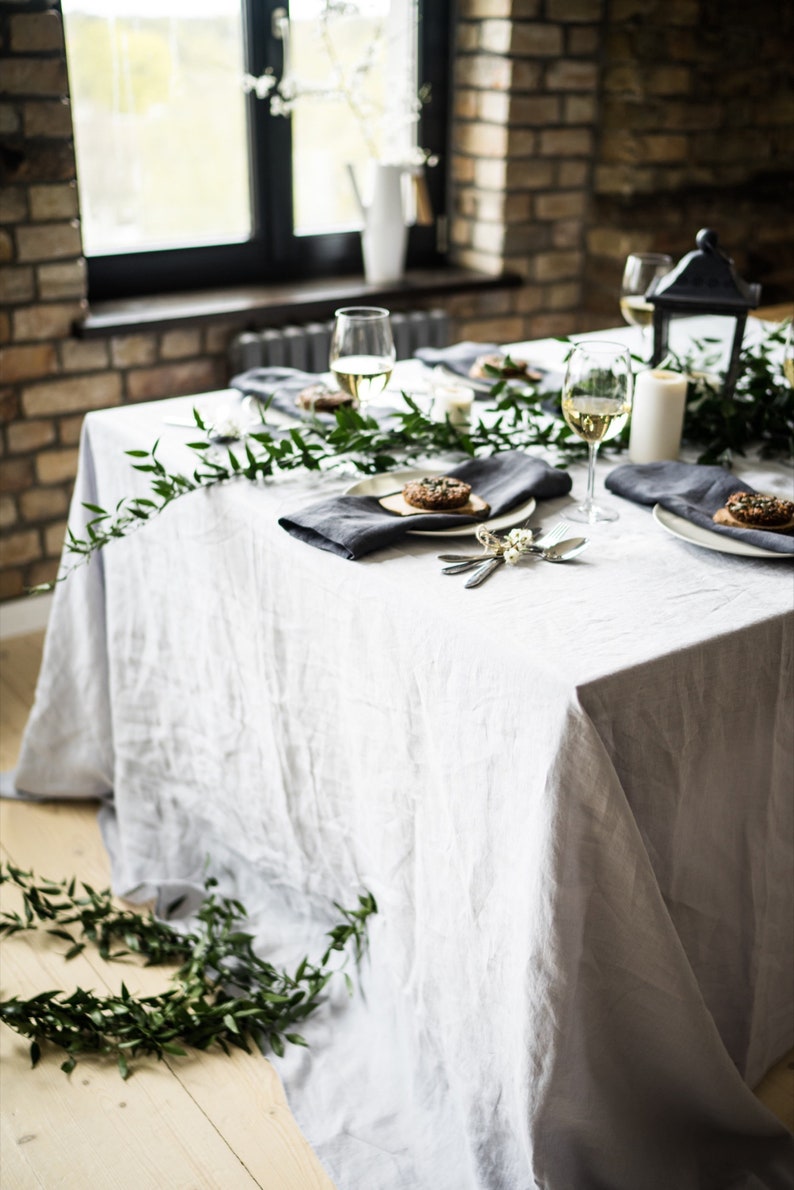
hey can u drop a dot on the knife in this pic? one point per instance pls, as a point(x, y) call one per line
point(484, 571)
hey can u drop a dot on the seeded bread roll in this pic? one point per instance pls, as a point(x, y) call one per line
point(437, 493)
point(322, 399)
point(516, 369)
point(748, 510)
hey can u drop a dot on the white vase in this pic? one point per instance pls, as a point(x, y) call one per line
point(384, 236)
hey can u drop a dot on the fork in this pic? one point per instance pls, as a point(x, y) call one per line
point(468, 561)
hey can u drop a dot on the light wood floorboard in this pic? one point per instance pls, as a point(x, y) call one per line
point(207, 1122)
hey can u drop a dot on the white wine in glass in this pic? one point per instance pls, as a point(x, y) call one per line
point(639, 270)
point(596, 403)
point(788, 354)
point(362, 352)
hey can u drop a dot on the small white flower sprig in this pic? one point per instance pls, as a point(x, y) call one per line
point(511, 548)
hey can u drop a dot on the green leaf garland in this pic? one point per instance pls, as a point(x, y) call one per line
point(760, 415)
point(223, 994)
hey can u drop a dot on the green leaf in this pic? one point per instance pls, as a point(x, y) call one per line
point(35, 1053)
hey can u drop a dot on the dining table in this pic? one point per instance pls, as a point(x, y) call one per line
point(569, 791)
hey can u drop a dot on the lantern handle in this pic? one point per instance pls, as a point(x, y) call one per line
point(707, 239)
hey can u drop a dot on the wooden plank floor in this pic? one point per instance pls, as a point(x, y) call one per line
point(207, 1123)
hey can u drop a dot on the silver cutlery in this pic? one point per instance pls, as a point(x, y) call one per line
point(463, 562)
point(483, 571)
point(548, 549)
point(563, 552)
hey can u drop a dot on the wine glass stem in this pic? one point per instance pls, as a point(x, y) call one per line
point(592, 451)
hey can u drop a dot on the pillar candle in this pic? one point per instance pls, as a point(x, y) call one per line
point(657, 415)
point(453, 401)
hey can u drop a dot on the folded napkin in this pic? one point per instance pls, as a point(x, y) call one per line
point(692, 491)
point(282, 385)
point(460, 356)
point(352, 526)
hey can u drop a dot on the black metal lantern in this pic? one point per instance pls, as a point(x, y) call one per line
point(703, 282)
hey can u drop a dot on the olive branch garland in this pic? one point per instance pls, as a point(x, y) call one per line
point(352, 438)
point(760, 413)
point(224, 994)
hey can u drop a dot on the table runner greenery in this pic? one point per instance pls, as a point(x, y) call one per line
point(223, 994)
point(760, 415)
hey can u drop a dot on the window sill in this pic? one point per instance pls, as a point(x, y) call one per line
point(251, 307)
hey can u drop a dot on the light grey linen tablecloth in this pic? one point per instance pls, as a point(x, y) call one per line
point(569, 791)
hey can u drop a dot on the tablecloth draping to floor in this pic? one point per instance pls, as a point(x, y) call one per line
point(569, 791)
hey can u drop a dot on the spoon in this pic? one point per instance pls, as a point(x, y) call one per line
point(562, 552)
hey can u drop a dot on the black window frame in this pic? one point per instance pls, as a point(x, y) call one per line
point(274, 254)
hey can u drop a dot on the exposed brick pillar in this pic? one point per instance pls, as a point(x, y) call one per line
point(523, 140)
point(48, 377)
point(42, 290)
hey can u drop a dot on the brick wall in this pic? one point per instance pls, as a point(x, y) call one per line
point(696, 130)
point(582, 129)
point(525, 105)
point(585, 129)
point(48, 378)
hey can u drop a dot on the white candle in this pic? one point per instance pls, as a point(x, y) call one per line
point(453, 401)
point(657, 415)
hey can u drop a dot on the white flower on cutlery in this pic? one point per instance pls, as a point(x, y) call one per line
point(510, 548)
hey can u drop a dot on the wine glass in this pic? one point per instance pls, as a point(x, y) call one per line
point(788, 353)
point(639, 270)
point(362, 352)
point(596, 402)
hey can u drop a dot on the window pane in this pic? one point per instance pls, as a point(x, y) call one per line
point(160, 122)
point(372, 53)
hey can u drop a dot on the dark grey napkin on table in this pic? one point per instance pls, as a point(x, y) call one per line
point(693, 491)
point(460, 356)
point(281, 386)
point(352, 526)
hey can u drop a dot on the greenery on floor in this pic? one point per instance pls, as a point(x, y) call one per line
point(223, 994)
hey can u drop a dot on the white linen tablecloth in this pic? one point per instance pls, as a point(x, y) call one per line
point(570, 791)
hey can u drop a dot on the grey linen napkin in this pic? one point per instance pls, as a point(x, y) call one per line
point(692, 491)
point(460, 356)
point(352, 526)
point(282, 385)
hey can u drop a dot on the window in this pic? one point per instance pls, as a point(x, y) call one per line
point(188, 178)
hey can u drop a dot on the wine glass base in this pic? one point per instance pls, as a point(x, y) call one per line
point(591, 514)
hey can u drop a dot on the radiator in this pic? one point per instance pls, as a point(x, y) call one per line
point(306, 347)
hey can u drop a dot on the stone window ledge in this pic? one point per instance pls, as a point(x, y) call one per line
point(250, 307)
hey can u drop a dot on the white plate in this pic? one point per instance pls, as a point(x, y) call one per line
point(392, 481)
point(720, 542)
